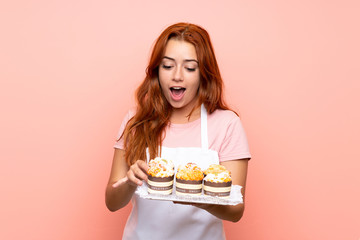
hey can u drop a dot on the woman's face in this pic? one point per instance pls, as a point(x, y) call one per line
point(179, 75)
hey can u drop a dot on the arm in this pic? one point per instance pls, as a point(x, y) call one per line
point(123, 181)
point(238, 169)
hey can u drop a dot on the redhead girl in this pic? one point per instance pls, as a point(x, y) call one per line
point(180, 114)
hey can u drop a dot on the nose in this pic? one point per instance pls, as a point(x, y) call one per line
point(178, 74)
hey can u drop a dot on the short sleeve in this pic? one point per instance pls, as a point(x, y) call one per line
point(119, 144)
point(235, 145)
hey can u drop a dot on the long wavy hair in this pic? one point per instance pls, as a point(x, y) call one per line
point(146, 128)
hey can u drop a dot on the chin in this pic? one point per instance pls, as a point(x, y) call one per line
point(176, 105)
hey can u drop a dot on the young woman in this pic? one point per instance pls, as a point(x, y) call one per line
point(180, 114)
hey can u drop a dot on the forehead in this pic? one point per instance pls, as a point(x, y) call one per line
point(179, 49)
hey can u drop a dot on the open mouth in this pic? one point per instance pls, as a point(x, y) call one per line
point(177, 92)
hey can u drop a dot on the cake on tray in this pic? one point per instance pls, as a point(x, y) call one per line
point(189, 180)
point(217, 181)
point(160, 176)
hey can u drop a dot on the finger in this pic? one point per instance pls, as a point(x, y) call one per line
point(133, 179)
point(139, 170)
point(142, 165)
point(199, 205)
point(204, 206)
point(120, 182)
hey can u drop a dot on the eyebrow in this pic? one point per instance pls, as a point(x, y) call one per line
point(186, 60)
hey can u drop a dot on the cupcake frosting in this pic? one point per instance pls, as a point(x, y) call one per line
point(217, 173)
point(218, 177)
point(160, 167)
point(190, 171)
point(215, 168)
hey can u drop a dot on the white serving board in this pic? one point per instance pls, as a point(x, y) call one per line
point(234, 199)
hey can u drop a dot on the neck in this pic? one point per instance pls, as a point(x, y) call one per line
point(180, 116)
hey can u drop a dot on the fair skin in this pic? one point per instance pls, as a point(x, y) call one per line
point(179, 79)
point(179, 69)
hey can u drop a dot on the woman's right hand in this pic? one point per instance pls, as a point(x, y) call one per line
point(135, 176)
point(123, 180)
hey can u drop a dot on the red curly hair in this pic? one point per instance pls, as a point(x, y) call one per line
point(146, 128)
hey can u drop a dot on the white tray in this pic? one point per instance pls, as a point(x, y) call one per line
point(234, 199)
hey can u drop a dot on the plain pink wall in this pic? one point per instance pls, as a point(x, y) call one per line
point(68, 70)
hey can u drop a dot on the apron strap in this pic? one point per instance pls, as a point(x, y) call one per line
point(204, 132)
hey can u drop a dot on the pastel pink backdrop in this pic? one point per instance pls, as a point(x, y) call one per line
point(68, 73)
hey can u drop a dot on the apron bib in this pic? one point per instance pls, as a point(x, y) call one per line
point(163, 220)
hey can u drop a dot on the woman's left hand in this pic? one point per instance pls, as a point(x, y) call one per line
point(238, 169)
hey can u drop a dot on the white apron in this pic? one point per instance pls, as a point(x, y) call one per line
point(164, 220)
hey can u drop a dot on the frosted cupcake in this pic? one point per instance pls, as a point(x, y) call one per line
point(217, 182)
point(160, 176)
point(189, 180)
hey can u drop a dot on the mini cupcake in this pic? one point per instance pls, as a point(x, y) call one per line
point(160, 176)
point(217, 182)
point(189, 180)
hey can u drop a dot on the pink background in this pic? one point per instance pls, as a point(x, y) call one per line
point(68, 71)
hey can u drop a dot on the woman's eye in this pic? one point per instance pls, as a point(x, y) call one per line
point(190, 69)
point(166, 66)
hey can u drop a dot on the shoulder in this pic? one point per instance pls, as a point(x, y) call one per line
point(227, 135)
point(223, 116)
point(225, 121)
point(130, 113)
